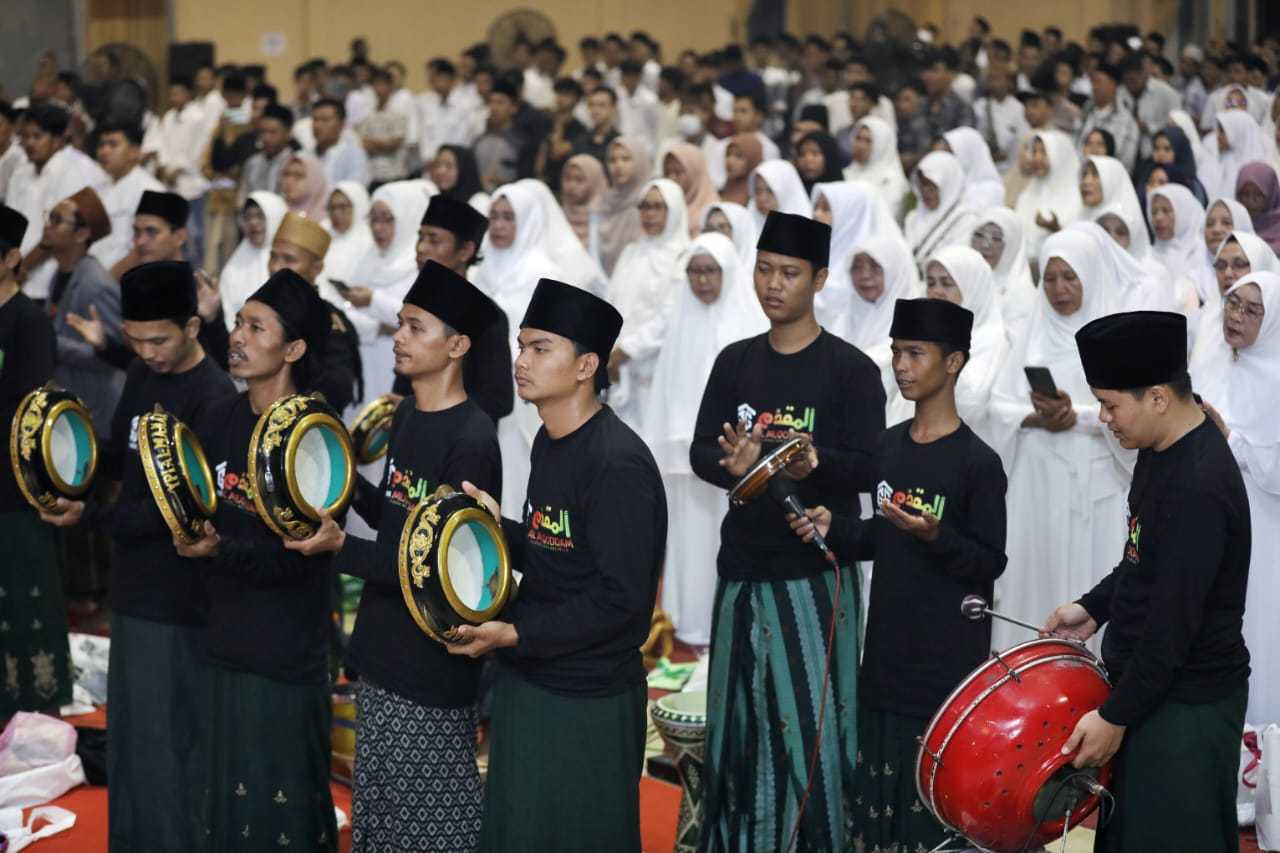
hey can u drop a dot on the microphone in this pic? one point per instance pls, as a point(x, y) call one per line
point(783, 491)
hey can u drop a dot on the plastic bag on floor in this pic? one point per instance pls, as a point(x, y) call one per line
point(22, 834)
point(1267, 811)
point(90, 655)
point(1247, 778)
point(38, 760)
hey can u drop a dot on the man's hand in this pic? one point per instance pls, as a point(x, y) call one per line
point(91, 329)
point(328, 537)
point(817, 519)
point(206, 546)
point(741, 447)
point(358, 296)
point(208, 297)
point(1071, 621)
point(1096, 739)
point(486, 499)
point(482, 639)
point(1056, 413)
point(1216, 416)
point(924, 526)
point(64, 514)
point(803, 465)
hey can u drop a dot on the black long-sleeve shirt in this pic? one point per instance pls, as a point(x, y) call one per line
point(918, 646)
point(591, 547)
point(1174, 605)
point(151, 581)
point(486, 372)
point(829, 391)
point(28, 351)
point(268, 606)
point(426, 450)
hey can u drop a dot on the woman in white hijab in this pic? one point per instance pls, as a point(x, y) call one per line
point(642, 288)
point(855, 211)
point(1221, 217)
point(1135, 288)
point(714, 307)
point(880, 271)
point(350, 237)
point(1068, 479)
point(983, 185)
point(246, 269)
point(574, 265)
point(1236, 377)
point(776, 185)
point(1052, 196)
point(1239, 141)
point(1105, 183)
point(383, 276)
point(998, 238)
point(959, 274)
point(1182, 120)
point(942, 218)
point(1177, 220)
point(1240, 254)
point(735, 222)
point(875, 161)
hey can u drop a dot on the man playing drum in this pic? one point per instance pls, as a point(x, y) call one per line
point(1173, 605)
point(777, 596)
point(569, 705)
point(938, 535)
point(416, 711)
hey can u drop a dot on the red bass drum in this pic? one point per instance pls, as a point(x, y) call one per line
point(991, 767)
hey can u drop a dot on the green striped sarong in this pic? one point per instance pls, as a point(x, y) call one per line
point(769, 644)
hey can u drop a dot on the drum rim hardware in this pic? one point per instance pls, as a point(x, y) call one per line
point(753, 483)
point(160, 491)
point(375, 415)
point(31, 422)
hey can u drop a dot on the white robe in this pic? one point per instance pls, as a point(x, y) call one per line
point(120, 199)
point(857, 212)
point(1057, 193)
point(951, 223)
point(246, 270)
point(883, 169)
point(1016, 293)
point(1067, 491)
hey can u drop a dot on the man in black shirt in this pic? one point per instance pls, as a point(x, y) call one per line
point(567, 744)
point(1173, 605)
point(451, 234)
point(777, 595)
point(416, 714)
point(938, 535)
point(157, 678)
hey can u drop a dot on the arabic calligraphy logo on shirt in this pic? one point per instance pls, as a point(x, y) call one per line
point(1135, 534)
point(781, 422)
point(404, 488)
point(910, 499)
point(550, 528)
point(235, 489)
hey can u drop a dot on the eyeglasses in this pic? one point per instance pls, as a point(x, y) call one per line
point(1239, 265)
point(651, 206)
point(382, 219)
point(703, 273)
point(988, 238)
point(1251, 310)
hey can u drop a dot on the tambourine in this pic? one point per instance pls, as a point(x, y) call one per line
point(454, 565)
point(756, 481)
point(371, 430)
point(177, 473)
point(52, 447)
point(300, 462)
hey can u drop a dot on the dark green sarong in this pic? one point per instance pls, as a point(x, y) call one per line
point(268, 779)
point(564, 771)
point(889, 815)
point(35, 659)
point(157, 694)
point(1176, 779)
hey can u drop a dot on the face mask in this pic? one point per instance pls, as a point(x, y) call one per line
point(689, 125)
point(237, 115)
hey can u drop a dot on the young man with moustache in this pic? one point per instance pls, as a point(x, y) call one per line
point(119, 151)
point(157, 677)
point(937, 535)
point(567, 743)
point(416, 711)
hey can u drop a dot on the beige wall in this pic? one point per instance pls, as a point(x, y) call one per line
point(413, 31)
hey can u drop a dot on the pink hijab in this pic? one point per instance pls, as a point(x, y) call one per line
point(703, 192)
point(1266, 222)
point(579, 215)
point(619, 207)
point(315, 195)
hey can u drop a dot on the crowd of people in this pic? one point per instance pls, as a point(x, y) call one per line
point(728, 249)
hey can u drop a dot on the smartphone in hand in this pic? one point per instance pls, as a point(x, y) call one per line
point(1041, 381)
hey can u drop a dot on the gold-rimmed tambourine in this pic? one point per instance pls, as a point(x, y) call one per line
point(756, 480)
point(177, 473)
point(454, 565)
point(300, 462)
point(371, 430)
point(53, 447)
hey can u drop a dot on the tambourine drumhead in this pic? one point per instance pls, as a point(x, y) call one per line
point(371, 430)
point(753, 483)
point(319, 472)
point(71, 452)
point(53, 449)
point(471, 565)
point(195, 469)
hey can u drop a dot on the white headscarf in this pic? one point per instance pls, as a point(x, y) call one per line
point(646, 270)
point(983, 185)
point(744, 229)
point(346, 249)
point(1240, 221)
point(1247, 145)
point(951, 222)
point(559, 242)
point(1015, 291)
point(390, 272)
point(787, 187)
point(1117, 189)
point(1057, 193)
point(1049, 341)
point(1241, 384)
point(1182, 120)
point(857, 212)
point(1261, 259)
point(883, 169)
point(1183, 254)
point(1135, 289)
point(697, 333)
point(866, 324)
point(989, 344)
point(246, 270)
point(509, 275)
